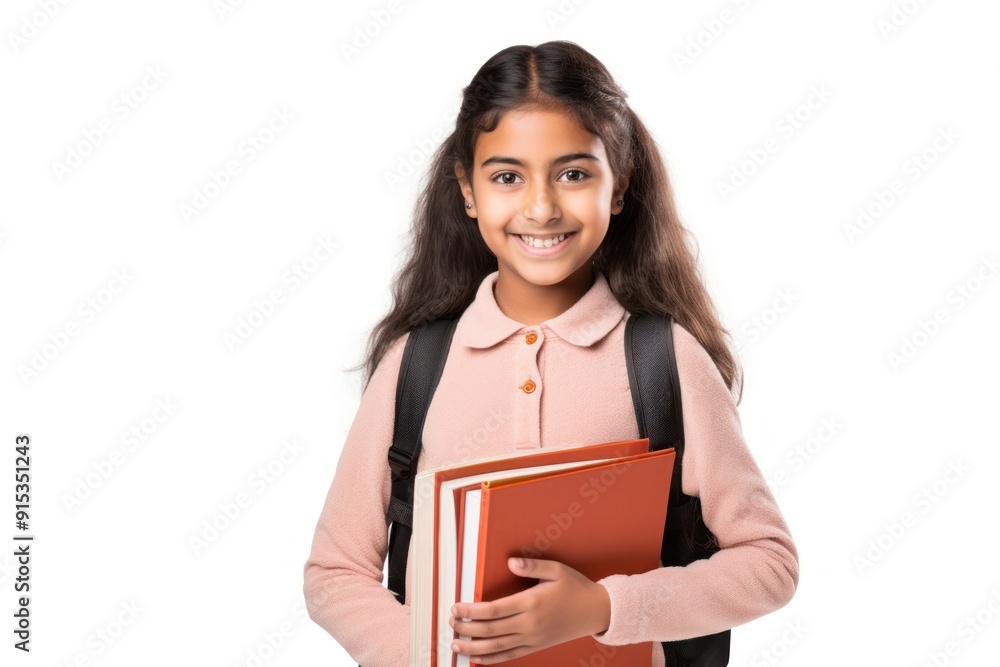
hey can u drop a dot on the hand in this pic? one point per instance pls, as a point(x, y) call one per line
point(562, 606)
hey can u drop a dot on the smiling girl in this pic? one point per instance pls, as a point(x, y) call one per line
point(548, 219)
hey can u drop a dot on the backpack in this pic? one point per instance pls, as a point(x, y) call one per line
point(653, 378)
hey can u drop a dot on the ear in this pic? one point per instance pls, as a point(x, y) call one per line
point(466, 188)
point(619, 194)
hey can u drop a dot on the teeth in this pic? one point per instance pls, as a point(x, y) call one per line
point(538, 243)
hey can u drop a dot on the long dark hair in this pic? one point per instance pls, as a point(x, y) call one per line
point(645, 256)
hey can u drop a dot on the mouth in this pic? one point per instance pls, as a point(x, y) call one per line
point(543, 240)
point(548, 244)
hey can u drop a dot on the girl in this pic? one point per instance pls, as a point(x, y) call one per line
point(547, 219)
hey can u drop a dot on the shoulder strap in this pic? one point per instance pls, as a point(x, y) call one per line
point(423, 361)
point(656, 394)
point(656, 397)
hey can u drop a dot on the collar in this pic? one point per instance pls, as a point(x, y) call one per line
point(584, 323)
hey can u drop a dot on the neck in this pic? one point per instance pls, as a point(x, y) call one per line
point(531, 304)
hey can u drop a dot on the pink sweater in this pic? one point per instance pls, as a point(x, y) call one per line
point(581, 396)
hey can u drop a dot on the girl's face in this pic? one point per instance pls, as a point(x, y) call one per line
point(541, 175)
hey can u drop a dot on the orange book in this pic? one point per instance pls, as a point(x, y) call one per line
point(434, 547)
point(600, 519)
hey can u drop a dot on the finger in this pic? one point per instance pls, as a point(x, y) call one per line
point(489, 629)
point(503, 656)
point(536, 568)
point(498, 649)
point(512, 605)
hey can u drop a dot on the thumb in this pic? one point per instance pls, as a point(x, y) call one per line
point(534, 568)
point(517, 564)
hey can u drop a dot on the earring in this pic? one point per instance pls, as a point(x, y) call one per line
point(621, 202)
point(467, 204)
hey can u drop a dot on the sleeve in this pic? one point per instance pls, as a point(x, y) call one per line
point(343, 587)
point(757, 569)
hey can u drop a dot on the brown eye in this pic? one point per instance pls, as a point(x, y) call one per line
point(579, 175)
point(499, 178)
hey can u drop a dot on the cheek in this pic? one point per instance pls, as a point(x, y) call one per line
point(595, 237)
point(494, 235)
point(587, 205)
point(498, 207)
point(495, 216)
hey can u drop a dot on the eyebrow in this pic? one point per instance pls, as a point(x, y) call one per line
point(569, 157)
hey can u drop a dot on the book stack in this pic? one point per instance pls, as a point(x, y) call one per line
point(599, 509)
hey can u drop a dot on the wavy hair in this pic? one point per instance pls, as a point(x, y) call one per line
point(645, 255)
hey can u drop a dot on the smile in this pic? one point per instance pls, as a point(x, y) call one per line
point(549, 246)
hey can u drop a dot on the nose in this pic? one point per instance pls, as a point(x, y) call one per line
point(540, 205)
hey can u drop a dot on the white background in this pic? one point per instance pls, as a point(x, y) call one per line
point(818, 312)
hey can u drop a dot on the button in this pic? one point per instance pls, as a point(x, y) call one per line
point(531, 337)
point(528, 387)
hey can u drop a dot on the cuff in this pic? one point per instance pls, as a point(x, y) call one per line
point(629, 613)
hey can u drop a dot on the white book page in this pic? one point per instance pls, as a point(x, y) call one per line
point(470, 542)
point(422, 552)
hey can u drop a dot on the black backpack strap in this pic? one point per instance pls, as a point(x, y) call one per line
point(424, 357)
point(656, 397)
point(656, 393)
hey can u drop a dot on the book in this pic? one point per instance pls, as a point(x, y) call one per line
point(469, 517)
point(434, 498)
point(601, 520)
point(457, 578)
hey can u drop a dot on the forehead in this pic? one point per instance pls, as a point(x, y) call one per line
point(537, 135)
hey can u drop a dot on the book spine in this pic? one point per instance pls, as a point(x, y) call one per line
point(484, 507)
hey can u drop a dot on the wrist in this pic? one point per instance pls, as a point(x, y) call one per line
point(602, 609)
